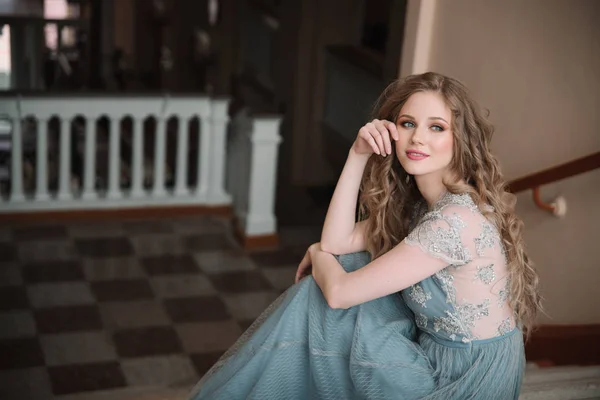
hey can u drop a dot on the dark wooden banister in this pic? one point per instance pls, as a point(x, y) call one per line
point(558, 207)
point(572, 168)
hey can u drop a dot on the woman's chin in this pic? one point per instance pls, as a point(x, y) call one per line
point(416, 172)
point(417, 168)
point(412, 169)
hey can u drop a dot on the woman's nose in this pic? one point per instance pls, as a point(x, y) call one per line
point(417, 136)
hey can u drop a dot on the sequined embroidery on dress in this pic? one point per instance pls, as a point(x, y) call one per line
point(486, 274)
point(456, 221)
point(421, 320)
point(462, 321)
point(419, 295)
point(503, 294)
point(464, 200)
point(449, 324)
point(504, 327)
point(446, 279)
point(486, 239)
point(439, 235)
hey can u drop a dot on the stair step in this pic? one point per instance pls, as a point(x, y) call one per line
point(566, 373)
point(575, 389)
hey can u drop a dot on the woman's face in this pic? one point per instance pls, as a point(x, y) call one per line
point(425, 144)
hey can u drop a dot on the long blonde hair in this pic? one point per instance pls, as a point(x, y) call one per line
point(389, 195)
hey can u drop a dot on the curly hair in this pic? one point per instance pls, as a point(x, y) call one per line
point(389, 194)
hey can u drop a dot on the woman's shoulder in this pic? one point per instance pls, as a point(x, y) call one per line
point(455, 201)
point(456, 227)
point(460, 213)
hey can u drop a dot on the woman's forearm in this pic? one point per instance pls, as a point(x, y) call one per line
point(328, 274)
point(340, 220)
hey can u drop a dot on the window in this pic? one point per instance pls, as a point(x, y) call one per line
point(60, 9)
point(5, 57)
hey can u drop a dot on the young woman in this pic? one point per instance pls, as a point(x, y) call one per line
point(427, 296)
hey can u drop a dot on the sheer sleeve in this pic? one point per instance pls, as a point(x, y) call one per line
point(439, 234)
point(474, 280)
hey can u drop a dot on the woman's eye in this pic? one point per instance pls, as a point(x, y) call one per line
point(437, 128)
point(407, 124)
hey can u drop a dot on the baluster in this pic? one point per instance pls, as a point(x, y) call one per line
point(89, 180)
point(218, 134)
point(64, 182)
point(182, 157)
point(204, 157)
point(16, 182)
point(114, 157)
point(159, 157)
point(138, 158)
point(230, 182)
point(41, 170)
point(245, 159)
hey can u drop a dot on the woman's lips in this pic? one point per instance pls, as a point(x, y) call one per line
point(416, 155)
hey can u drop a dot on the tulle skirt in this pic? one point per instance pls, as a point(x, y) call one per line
point(300, 348)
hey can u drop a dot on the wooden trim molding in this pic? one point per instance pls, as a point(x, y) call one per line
point(250, 243)
point(565, 345)
point(127, 213)
point(557, 173)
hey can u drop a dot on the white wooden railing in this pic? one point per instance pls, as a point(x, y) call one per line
point(61, 127)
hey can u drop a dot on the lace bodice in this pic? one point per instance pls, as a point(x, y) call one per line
point(468, 299)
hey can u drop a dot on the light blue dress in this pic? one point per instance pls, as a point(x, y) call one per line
point(450, 336)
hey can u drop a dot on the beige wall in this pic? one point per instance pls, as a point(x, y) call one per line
point(535, 65)
point(566, 250)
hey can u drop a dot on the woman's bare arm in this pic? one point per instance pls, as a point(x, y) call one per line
point(341, 234)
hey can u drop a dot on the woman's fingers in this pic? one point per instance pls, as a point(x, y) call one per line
point(367, 137)
point(385, 135)
point(393, 129)
point(377, 135)
point(379, 130)
point(303, 267)
point(378, 138)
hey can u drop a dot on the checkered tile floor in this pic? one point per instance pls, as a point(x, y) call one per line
point(101, 305)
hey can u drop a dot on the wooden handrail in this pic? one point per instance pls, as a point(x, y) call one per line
point(572, 168)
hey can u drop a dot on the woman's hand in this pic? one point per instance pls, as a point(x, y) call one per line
point(328, 275)
point(314, 252)
point(376, 137)
point(305, 266)
point(317, 255)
